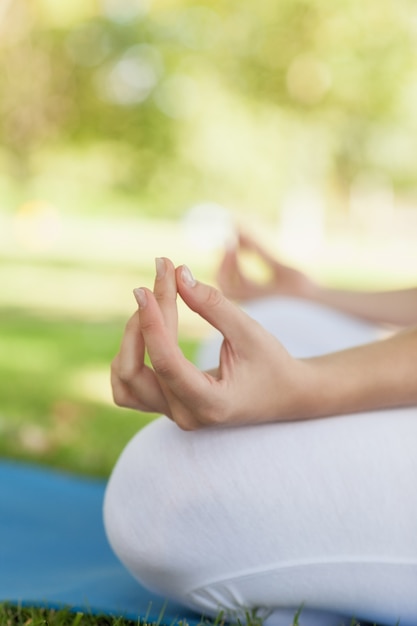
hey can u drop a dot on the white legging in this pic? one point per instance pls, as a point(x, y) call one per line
point(320, 514)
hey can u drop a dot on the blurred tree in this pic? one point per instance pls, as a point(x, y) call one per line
point(191, 99)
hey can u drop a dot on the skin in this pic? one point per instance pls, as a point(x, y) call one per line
point(392, 307)
point(257, 380)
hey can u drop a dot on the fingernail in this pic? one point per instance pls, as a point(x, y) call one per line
point(187, 277)
point(140, 296)
point(160, 267)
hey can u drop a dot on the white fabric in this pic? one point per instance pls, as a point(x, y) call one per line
point(321, 513)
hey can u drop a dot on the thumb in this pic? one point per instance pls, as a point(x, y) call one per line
point(212, 305)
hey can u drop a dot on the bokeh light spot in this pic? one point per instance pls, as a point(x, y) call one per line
point(131, 79)
point(209, 226)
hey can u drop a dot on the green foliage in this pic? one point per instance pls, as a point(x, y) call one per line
point(188, 100)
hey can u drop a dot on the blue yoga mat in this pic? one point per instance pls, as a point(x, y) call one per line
point(53, 549)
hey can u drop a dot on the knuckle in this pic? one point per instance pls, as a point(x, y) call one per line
point(119, 401)
point(125, 399)
point(126, 374)
point(185, 425)
point(165, 364)
point(166, 297)
point(150, 326)
point(184, 422)
point(214, 298)
point(119, 398)
point(118, 371)
point(114, 365)
point(210, 418)
point(147, 324)
point(162, 366)
point(212, 415)
point(207, 417)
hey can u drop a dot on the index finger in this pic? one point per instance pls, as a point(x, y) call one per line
point(233, 323)
point(166, 356)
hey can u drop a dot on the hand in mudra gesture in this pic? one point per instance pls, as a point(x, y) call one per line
point(256, 379)
point(283, 280)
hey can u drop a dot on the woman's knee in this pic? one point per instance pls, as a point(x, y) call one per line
point(149, 509)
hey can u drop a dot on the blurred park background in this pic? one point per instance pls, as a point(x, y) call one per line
point(138, 128)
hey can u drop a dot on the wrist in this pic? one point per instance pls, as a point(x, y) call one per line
point(315, 393)
point(311, 399)
point(300, 394)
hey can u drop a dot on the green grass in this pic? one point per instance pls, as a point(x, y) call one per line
point(29, 616)
point(11, 615)
point(56, 404)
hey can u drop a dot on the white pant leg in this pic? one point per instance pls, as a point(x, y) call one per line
point(321, 513)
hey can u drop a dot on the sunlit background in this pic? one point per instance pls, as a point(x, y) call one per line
point(136, 128)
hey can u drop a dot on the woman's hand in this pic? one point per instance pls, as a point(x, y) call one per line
point(283, 280)
point(256, 381)
point(397, 307)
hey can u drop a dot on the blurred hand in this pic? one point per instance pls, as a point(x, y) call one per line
point(284, 280)
point(256, 380)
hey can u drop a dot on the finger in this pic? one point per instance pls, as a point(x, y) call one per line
point(168, 361)
point(165, 290)
point(213, 306)
point(132, 350)
point(231, 279)
point(192, 396)
point(245, 241)
point(248, 243)
point(126, 393)
point(130, 370)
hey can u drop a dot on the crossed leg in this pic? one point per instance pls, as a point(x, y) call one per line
point(321, 513)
